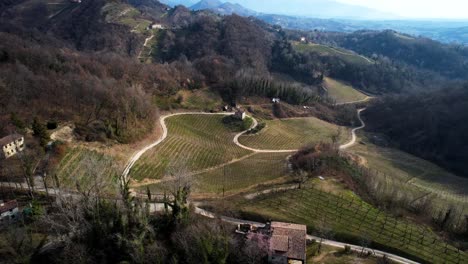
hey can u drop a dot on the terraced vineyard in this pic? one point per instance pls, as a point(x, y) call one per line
point(293, 134)
point(85, 167)
point(195, 142)
point(341, 92)
point(257, 169)
point(250, 171)
point(354, 221)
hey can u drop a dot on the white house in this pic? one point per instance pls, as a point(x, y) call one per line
point(157, 26)
point(240, 115)
point(8, 211)
point(11, 145)
point(303, 39)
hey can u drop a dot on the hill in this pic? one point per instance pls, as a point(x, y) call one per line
point(429, 125)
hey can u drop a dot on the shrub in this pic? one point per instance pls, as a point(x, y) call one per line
point(52, 124)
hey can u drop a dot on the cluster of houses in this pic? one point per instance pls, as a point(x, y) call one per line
point(11, 145)
point(286, 242)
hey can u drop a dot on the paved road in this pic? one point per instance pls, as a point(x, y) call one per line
point(337, 244)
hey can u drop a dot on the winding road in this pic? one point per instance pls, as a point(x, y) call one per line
point(353, 132)
point(162, 122)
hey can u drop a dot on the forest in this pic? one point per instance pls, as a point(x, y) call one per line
point(431, 125)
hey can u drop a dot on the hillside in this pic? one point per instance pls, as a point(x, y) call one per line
point(429, 125)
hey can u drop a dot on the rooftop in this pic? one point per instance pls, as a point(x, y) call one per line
point(289, 239)
point(10, 138)
point(7, 206)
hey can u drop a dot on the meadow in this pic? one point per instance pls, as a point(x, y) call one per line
point(342, 93)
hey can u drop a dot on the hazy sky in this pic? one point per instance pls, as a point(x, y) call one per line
point(418, 8)
point(454, 9)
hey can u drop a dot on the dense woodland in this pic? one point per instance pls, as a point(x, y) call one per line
point(431, 125)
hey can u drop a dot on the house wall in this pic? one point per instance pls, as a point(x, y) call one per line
point(277, 259)
point(12, 148)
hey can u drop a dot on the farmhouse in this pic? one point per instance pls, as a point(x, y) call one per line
point(8, 211)
point(239, 114)
point(286, 242)
point(11, 145)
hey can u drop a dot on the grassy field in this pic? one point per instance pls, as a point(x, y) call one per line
point(347, 218)
point(126, 15)
point(332, 255)
point(194, 142)
point(341, 92)
point(331, 51)
point(449, 189)
point(293, 134)
point(85, 167)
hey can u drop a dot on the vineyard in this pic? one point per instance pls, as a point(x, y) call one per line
point(195, 142)
point(342, 93)
point(348, 218)
point(249, 171)
point(294, 134)
point(411, 171)
point(331, 51)
point(258, 169)
point(84, 167)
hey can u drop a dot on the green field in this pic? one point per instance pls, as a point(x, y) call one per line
point(126, 15)
point(292, 134)
point(341, 92)
point(331, 51)
point(347, 218)
point(424, 176)
point(194, 142)
point(87, 167)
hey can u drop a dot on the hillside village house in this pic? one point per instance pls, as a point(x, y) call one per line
point(8, 211)
point(11, 145)
point(286, 242)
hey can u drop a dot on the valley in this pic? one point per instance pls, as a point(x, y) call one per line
point(136, 132)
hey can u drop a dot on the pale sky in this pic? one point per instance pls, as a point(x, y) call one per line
point(454, 9)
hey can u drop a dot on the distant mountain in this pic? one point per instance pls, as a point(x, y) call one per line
point(221, 8)
point(206, 4)
point(186, 3)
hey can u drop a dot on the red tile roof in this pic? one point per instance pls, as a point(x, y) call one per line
point(9, 139)
point(289, 240)
point(8, 206)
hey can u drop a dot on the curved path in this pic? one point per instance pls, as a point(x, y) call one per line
point(162, 122)
point(353, 132)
